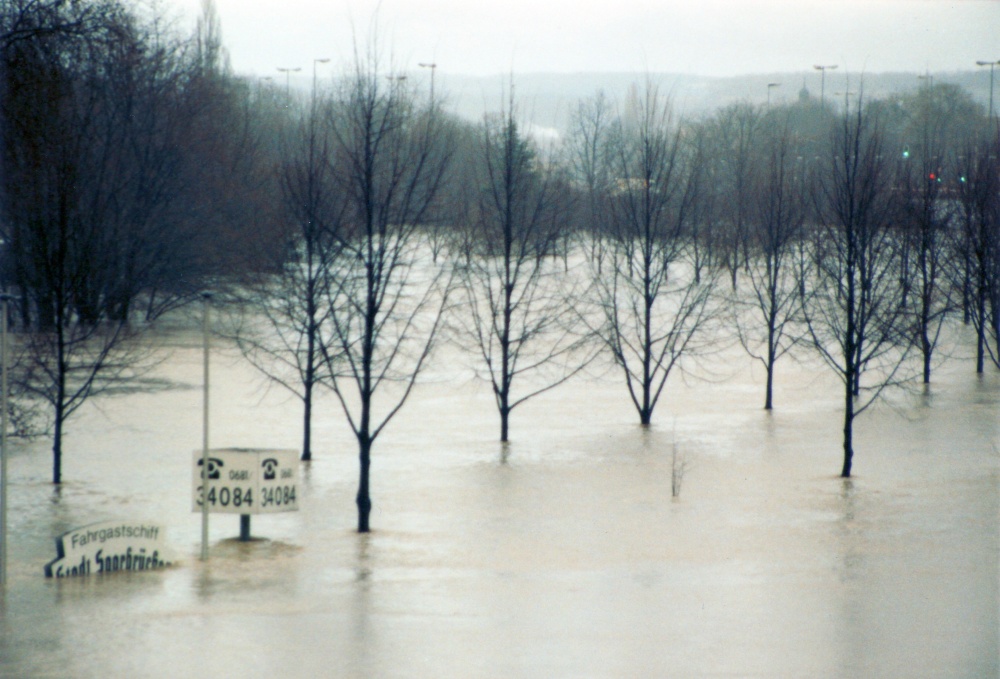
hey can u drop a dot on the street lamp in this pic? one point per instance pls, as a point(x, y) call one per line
point(288, 77)
point(206, 307)
point(769, 86)
point(822, 83)
point(317, 61)
point(846, 95)
point(4, 300)
point(433, 67)
point(397, 82)
point(991, 64)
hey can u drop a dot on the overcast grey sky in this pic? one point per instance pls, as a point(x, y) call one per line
point(705, 37)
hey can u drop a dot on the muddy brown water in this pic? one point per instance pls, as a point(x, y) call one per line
point(560, 555)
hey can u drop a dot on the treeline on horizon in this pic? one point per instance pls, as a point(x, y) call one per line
point(348, 229)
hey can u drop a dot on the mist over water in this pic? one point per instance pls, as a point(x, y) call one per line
point(560, 555)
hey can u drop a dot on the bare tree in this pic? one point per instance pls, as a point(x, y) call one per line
point(519, 302)
point(768, 308)
point(385, 298)
point(590, 168)
point(736, 129)
point(978, 208)
point(703, 216)
point(925, 225)
point(81, 180)
point(27, 20)
point(853, 305)
point(653, 312)
point(281, 337)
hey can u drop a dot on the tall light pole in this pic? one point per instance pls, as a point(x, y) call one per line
point(846, 102)
point(769, 87)
point(433, 66)
point(4, 299)
point(207, 300)
point(822, 82)
point(991, 64)
point(397, 82)
point(317, 61)
point(288, 77)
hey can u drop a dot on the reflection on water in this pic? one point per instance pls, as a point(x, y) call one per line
point(561, 553)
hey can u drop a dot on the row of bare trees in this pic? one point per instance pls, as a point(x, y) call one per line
point(133, 171)
point(830, 233)
point(356, 228)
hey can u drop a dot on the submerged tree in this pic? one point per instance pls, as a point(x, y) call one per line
point(519, 301)
point(587, 161)
point(736, 129)
point(653, 311)
point(853, 302)
point(104, 198)
point(385, 299)
point(978, 208)
point(925, 243)
point(88, 119)
point(282, 338)
point(768, 307)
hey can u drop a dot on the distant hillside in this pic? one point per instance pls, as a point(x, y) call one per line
point(546, 99)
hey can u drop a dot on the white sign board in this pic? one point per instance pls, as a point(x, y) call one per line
point(247, 481)
point(109, 547)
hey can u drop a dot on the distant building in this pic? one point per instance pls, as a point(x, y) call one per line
point(803, 93)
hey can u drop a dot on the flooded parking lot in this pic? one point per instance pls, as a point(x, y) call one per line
point(562, 554)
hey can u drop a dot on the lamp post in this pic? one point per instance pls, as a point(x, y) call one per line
point(397, 82)
point(288, 77)
point(769, 87)
point(4, 299)
point(433, 67)
point(991, 64)
point(846, 95)
point(317, 61)
point(207, 300)
point(822, 82)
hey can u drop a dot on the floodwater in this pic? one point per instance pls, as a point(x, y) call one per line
point(561, 555)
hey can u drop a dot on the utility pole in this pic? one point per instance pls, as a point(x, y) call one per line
point(991, 64)
point(822, 83)
point(433, 67)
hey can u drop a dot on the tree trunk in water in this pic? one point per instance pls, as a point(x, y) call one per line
point(60, 405)
point(645, 416)
point(504, 417)
point(363, 499)
point(768, 401)
point(966, 287)
point(927, 362)
point(768, 396)
point(307, 425)
point(981, 331)
point(57, 449)
point(845, 472)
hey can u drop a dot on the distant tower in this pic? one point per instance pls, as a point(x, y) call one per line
point(804, 93)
